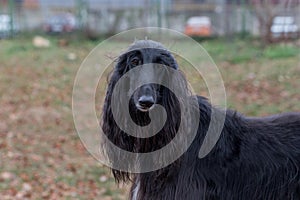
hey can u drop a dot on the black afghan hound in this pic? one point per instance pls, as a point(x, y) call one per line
point(254, 158)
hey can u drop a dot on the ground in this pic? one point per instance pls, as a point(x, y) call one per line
point(41, 156)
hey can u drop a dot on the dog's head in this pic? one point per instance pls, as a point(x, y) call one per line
point(168, 98)
point(146, 53)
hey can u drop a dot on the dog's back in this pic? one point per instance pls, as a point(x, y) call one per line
point(255, 158)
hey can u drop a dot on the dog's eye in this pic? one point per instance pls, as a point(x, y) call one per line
point(135, 62)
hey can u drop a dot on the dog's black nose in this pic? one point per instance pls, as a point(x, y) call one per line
point(146, 101)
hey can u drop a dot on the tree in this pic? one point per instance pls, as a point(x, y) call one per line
point(266, 10)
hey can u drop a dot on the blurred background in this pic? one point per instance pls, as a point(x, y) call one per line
point(255, 44)
point(269, 18)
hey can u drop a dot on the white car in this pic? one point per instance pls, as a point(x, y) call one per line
point(4, 26)
point(284, 27)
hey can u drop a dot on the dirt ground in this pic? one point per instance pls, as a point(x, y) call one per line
point(41, 156)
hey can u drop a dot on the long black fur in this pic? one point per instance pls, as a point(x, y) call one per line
point(254, 158)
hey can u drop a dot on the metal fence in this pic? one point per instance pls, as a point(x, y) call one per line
point(111, 16)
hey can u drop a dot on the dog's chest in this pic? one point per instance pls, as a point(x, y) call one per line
point(135, 190)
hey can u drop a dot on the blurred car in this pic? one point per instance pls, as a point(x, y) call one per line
point(60, 23)
point(198, 26)
point(284, 27)
point(4, 26)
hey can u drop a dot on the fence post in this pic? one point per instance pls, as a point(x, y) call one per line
point(11, 14)
point(243, 18)
point(78, 13)
point(158, 7)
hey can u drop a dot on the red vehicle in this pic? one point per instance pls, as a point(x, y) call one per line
point(198, 26)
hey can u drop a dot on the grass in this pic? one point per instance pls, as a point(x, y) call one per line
point(38, 142)
point(240, 51)
point(275, 52)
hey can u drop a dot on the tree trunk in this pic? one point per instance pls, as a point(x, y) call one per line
point(268, 34)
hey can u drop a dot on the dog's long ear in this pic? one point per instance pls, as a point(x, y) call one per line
point(109, 126)
point(121, 64)
point(120, 68)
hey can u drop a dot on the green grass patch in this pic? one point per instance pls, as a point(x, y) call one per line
point(280, 51)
